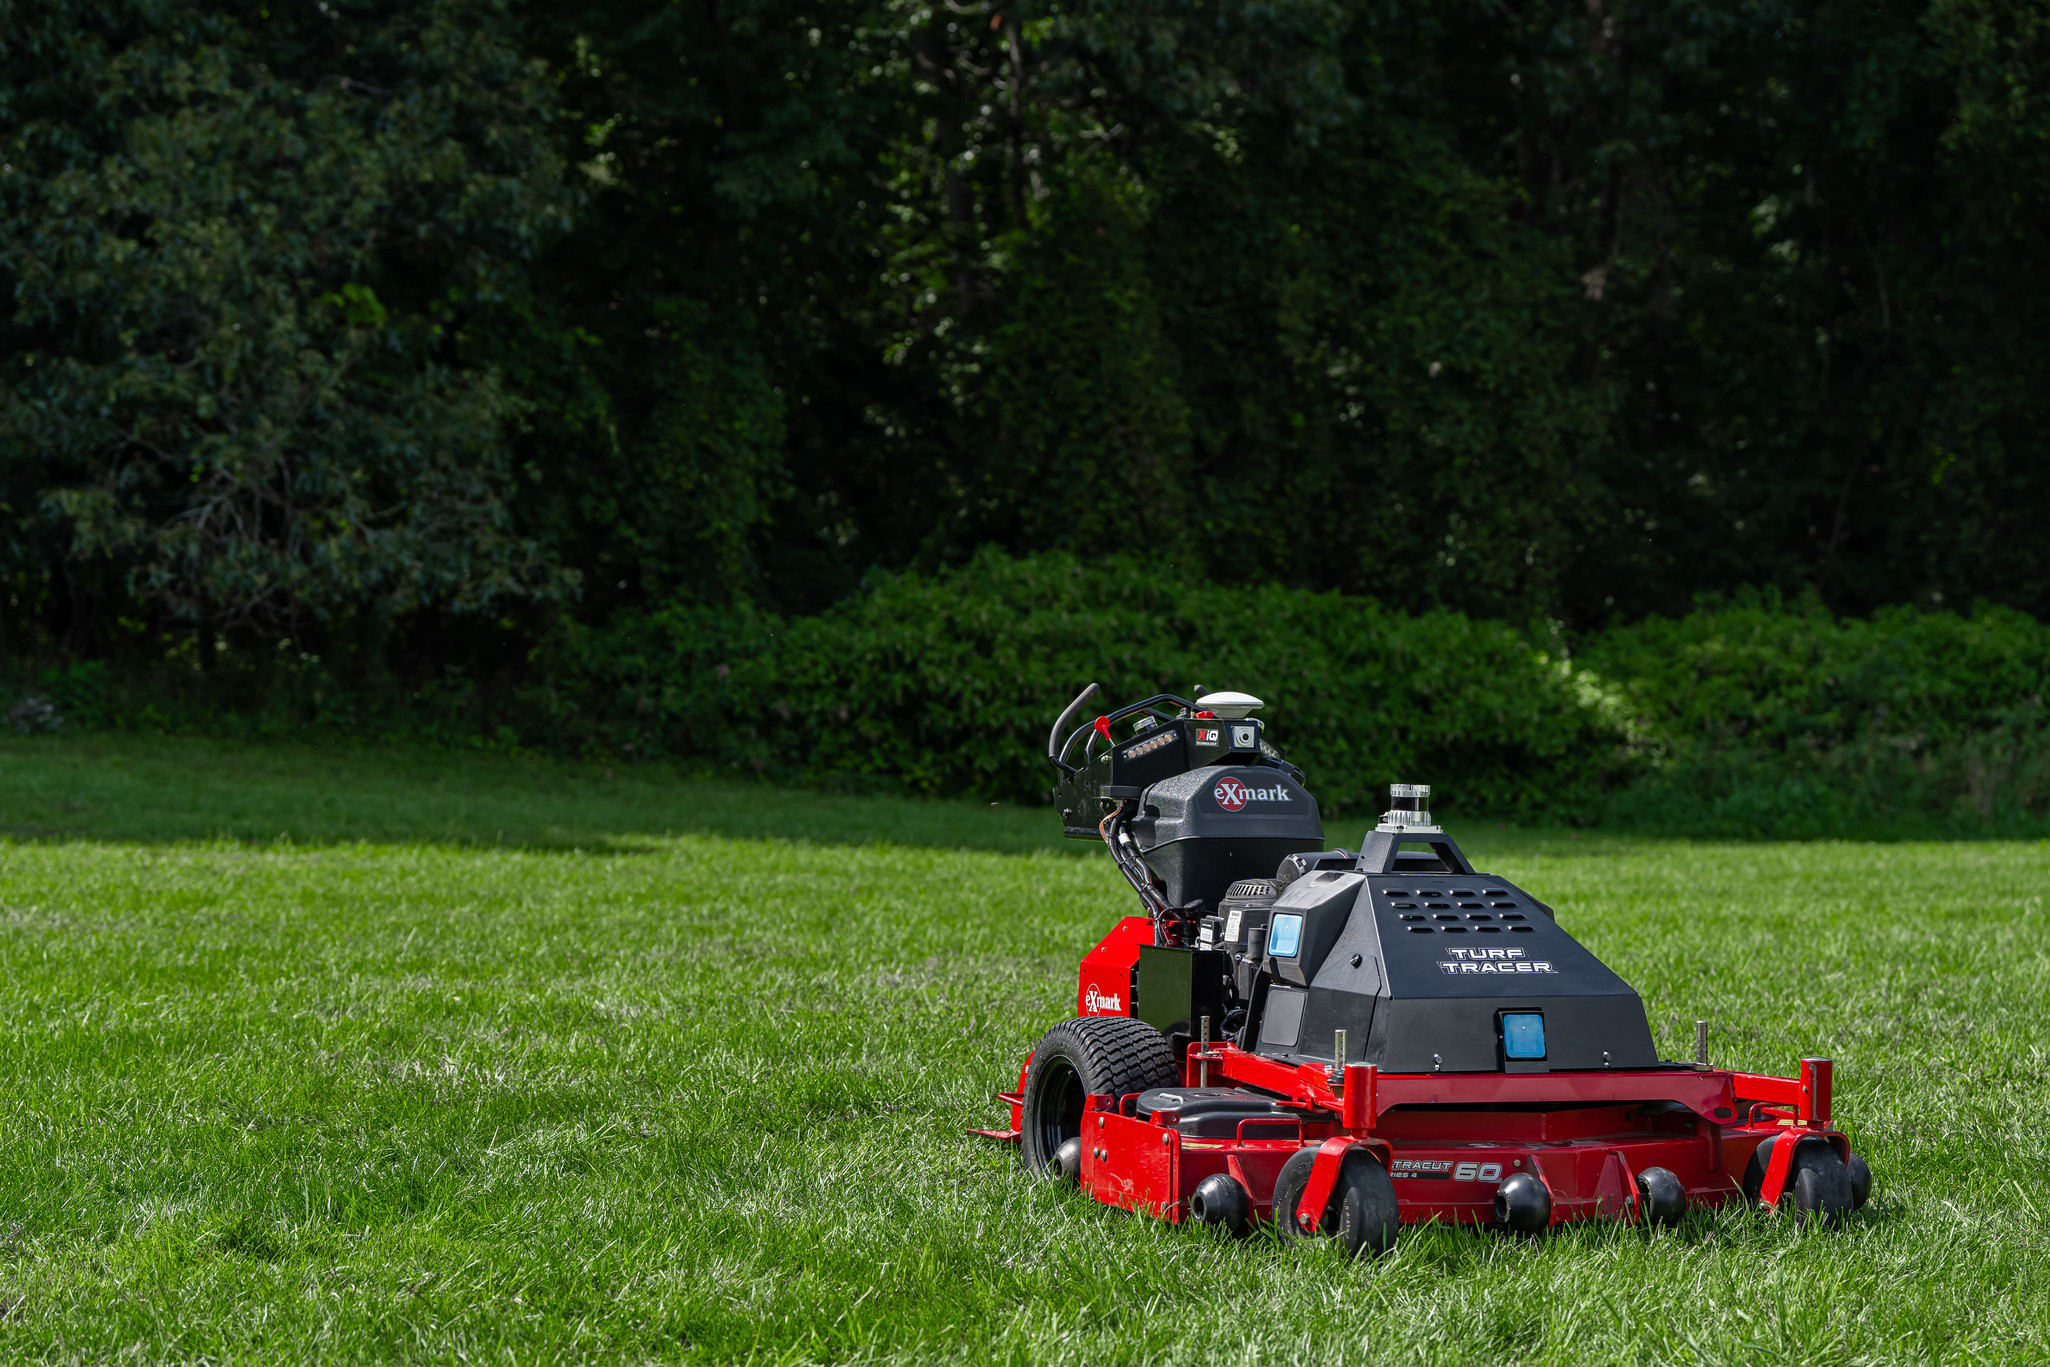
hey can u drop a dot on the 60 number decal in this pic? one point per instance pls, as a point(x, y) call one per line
point(1477, 1172)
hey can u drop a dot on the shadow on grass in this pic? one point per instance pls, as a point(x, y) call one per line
point(131, 789)
point(126, 789)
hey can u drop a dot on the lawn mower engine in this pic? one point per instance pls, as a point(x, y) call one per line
point(1346, 1041)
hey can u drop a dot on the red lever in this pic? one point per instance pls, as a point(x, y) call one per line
point(1103, 725)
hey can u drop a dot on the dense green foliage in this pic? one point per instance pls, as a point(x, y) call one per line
point(245, 256)
point(421, 334)
point(341, 1058)
point(1748, 717)
point(939, 683)
point(1776, 721)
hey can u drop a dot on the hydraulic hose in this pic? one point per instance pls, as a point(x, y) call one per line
point(1115, 837)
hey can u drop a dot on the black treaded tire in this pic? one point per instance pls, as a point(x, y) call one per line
point(1113, 1055)
point(1362, 1215)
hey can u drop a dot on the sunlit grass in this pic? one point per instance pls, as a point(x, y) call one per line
point(358, 1056)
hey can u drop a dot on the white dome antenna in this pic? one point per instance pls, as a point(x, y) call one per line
point(1229, 706)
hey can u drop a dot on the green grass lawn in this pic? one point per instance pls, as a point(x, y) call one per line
point(353, 1056)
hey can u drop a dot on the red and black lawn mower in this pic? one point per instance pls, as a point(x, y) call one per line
point(1346, 1041)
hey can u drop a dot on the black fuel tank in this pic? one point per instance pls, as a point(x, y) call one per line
point(1204, 830)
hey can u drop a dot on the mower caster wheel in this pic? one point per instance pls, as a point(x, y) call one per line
point(1219, 1200)
point(1661, 1200)
point(1523, 1203)
point(1067, 1162)
point(1362, 1214)
point(1861, 1181)
point(1818, 1182)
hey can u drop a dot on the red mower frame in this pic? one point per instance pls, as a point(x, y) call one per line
point(1449, 1140)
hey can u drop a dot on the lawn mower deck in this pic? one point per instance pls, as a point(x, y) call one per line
point(1343, 1042)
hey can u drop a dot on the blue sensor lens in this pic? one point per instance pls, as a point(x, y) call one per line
point(1523, 1035)
point(1285, 934)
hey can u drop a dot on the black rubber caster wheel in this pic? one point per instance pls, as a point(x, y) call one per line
point(1861, 1181)
point(1818, 1183)
point(1219, 1200)
point(1661, 1199)
point(1361, 1214)
point(1523, 1203)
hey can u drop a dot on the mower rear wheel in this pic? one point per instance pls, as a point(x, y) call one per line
point(1107, 1055)
point(1361, 1215)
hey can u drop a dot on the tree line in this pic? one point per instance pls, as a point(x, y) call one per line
point(411, 335)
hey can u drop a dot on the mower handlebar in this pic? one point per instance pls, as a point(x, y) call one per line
point(1152, 704)
point(1062, 720)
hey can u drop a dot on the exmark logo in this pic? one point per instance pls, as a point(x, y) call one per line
point(1492, 961)
point(1232, 794)
point(1103, 1003)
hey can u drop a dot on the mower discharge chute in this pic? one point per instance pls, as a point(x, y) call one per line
point(1345, 1041)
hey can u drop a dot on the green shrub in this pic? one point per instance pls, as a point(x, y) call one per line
point(79, 692)
point(947, 685)
point(1770, 718)
point(646, 684)
point(1742, 718)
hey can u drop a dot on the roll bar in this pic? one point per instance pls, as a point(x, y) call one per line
point(1103, 724)
point(1062, 720)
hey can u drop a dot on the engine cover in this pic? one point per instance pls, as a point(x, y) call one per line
point(1203, 830)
